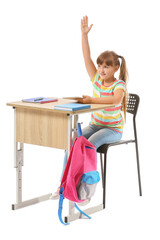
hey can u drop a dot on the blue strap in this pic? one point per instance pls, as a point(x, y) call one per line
point(61, 206)
point(81, 211)
point(79, 130)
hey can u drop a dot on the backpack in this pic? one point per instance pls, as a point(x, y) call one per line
point(80, 176)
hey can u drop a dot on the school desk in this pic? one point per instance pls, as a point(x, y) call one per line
point(41, 124)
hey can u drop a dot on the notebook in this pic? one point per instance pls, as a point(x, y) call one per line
point(74, 98)
point(40, 100)
point(72, 106)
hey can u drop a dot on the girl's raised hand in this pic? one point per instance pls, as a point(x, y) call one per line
point(84, 25)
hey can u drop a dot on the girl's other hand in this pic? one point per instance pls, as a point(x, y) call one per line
point(85, 99)
point(84, 25)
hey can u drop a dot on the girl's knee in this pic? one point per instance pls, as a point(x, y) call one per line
point(93, 141)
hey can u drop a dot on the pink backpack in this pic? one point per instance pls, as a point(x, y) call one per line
point(80, 176)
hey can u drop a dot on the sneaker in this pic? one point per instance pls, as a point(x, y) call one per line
point(55, 195)
point(84, 202)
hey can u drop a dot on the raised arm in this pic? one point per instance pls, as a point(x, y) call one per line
point(90, 67)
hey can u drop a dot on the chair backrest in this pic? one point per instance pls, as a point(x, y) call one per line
point(132, 103)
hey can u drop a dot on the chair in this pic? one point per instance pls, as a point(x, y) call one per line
point(132, 107)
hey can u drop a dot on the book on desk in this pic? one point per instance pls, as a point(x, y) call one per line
point(72, 106)
point(74, 98)
point(40, 100)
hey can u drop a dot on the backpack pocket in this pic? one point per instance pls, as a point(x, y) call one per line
point(87, 185)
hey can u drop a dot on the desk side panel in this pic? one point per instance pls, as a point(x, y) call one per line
point(42, 128)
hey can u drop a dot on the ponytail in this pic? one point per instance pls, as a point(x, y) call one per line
point(124, 76)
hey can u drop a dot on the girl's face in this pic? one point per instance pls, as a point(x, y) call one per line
point(107, 72)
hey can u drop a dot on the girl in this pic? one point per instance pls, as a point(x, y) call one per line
point(106, 126)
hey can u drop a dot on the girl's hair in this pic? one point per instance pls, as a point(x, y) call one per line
point(110, 58)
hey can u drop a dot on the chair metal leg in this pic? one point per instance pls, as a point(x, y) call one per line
point(101, 161)
point(138, 168)
point(104, 180)
point(103, 174)
point(137, 155)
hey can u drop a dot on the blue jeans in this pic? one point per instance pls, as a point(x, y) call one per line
point(97, 136)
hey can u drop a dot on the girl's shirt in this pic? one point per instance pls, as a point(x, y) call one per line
point(110, 117)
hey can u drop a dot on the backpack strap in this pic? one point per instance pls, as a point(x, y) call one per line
point(79, 130)
point(81, 211)
point(61, 206)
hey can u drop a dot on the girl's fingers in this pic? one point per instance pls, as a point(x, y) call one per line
point(83, 21)
point(86, 19)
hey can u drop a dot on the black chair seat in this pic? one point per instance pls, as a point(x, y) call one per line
point(103, 148)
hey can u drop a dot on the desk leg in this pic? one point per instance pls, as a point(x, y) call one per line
point(18, 166)
point(75, 134)
point(70, 142)
point(18, 163)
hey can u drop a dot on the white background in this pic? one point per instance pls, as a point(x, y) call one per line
point(40, 55)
